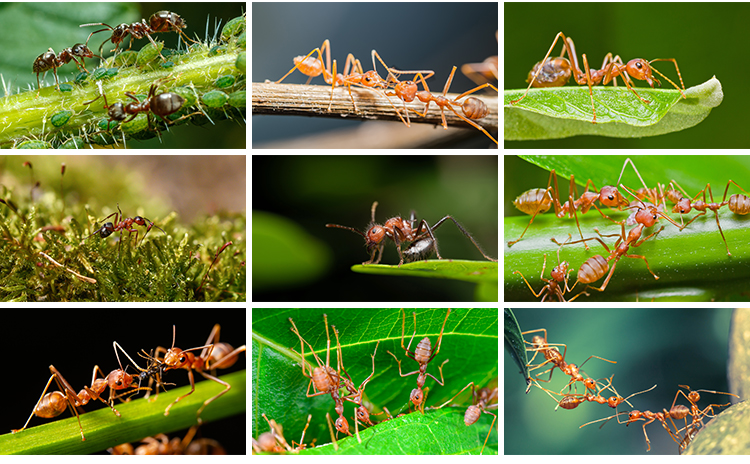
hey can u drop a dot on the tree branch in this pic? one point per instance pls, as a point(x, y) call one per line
point(313, 100)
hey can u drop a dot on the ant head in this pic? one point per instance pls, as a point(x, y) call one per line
point(610, 196)
point(407, 90)
point(559, 271)
point(683, 206)
point(82, 51)
point(342, 425)
point(119, 379)
point(371, 79)
point(417, 397)
point(640, 69)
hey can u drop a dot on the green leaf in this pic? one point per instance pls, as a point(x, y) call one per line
point(514, 344)
point(559, 112)
point(727, 434)
point(456, 269)
point(692, 265)
point(436, 432)
point(139, 418)
point(279, 388)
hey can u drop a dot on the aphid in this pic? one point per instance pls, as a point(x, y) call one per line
point(49, 60)
point(161, 21)
point(176, 358)
point(402, 231)
point(121, 223)
point(612, 67)
point(422, 354)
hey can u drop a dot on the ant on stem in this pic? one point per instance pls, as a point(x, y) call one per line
point(612, 67)
point(49, 60)
point(401, 231)
point(422, 354)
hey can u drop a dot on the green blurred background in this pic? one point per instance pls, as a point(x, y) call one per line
point(667, 347)
point(707, 39)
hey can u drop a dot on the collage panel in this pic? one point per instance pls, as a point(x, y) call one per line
point(134, 397)
point(430, 377)
point(648, 228)
point(366, 75)
point(579, 376)
point(123, 228)
point(355, 228)
point(124, 75)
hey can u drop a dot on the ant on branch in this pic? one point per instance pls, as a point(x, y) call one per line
point(422, 354)
point(400, 231)
point(612, 67)
point(161, 21)
point(122, 223)
point(49, 60)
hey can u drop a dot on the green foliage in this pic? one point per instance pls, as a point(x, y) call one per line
point(559, 112)
point(514, 343)
point(32, 118)
point(138, 418)
point(45, 255)
point(279, 389)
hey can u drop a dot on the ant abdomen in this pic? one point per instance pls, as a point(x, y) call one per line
point(419, 250)
point(593, 269)
point(423, 351)
point(52, 405)
point(475, 108)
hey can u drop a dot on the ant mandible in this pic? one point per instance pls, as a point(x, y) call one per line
point(122, 223)
point(161, 21)
point(400, 231)
point(49, 60)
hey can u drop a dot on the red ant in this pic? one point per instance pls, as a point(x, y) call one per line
point(404, 90)
point(738, 204)
point(536, 201)
point(161, 21)
point(479, 405)
point(313, 67)
point(611, 68)
point(161, 105)
point(472, 107)
point(122, 223)
point(693, 397)
point(422, 354)
point(49, 60)
point(161, 445)
point(400, 231)
point(54, 403)
point(559, 276)
point(223, 357)
point(274, 441)
point(325, 379)
point(484, 71)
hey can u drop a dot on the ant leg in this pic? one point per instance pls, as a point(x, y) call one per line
point(297, 65)
point(665, 77)
point(399, 366)
point(466, 233)
point(533, 79)
point(469, 121)
point(589, 82)
point(440, 368)
point(470, 384)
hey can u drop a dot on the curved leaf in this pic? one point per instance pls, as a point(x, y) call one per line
point(279, 388)
point(514, 344)
point(559, 112)
point(739, 355)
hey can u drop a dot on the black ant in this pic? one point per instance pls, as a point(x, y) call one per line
point(161, 21)
point(48, 60)
point(122, 223)
point(160, 105)
point(401, 230)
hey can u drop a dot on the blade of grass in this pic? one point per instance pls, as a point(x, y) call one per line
point(139, 418)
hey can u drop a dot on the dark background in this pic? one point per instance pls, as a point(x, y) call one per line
point(703, 37)
point(667, 347)
point(410, 36)
point(74, 340)
point(315, 190)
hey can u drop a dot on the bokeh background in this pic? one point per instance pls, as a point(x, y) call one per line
point(311, 191)
point(407, 35)
point(664, 346)
point(703, 37)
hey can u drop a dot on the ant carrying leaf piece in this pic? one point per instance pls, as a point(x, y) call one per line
point(400, 230)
